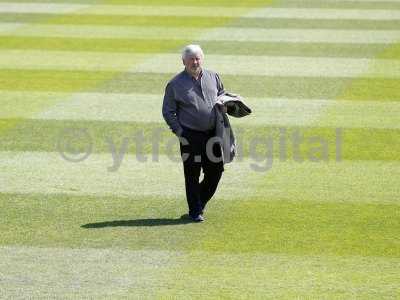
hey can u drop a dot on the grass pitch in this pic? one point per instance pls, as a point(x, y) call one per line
point(308, 227)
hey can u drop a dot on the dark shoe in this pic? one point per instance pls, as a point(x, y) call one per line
point(198, 218)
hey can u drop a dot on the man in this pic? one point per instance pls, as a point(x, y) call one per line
point(189, 108)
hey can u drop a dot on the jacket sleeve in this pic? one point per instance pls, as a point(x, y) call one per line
point(220, 85)
point(169, 110)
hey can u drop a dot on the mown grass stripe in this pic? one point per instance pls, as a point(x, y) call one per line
point(146, 108)
point(279, 66)
point(219, 34)
point(229, 11)
point(357, 143)
point(170, 63)
point(7, 28)
point(352, 4)
point(304, 35)
point(239, 3)
point(204, 22)
point(148, 179)
point(114, 20)
point(59, 269)
point(325, 13)
point(297, 23)
point(130, 10)
point(97, 83)
point(363, 89)
point(135, 271)
point(87, 31)
point(336, 221)
point(26, 59)
point(28, 7)
point(133, 178)
point(99, 45)
point(221, 48)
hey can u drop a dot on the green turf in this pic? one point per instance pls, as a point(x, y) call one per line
point(250, 3)
point(286, 227)
point(204, 22)
point(116, 20)
point(377, 4)
point(224, 48)
point(251, 86)
point(301, 229)
point(357, 144)
point(338, 4)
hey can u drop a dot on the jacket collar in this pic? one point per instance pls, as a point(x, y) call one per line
point(186, 73)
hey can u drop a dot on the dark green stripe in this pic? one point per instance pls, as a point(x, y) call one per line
point(67, 81)
point(299, 49)
point(306, 227)
point(224, 48)
point(43, 135)
point(209, 47)
point(97, 45)
point(260, 225)
point(250, 86)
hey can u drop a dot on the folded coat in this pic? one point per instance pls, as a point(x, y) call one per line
point(224, 132)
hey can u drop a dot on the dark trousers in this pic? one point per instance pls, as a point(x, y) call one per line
point(195, 158)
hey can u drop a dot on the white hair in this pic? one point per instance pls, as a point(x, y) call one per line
point(190, 50)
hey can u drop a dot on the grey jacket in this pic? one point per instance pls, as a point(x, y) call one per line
point(184, 106)
point(236, 108)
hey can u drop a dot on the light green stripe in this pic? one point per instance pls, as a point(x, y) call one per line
point(171, 63)
point(219, 34)
point(19, 59)
point(136, 10)
point(6, 28)
point(91, 177)
point(297, 23)
point(373, 89)
point(100, 45)
point(356, 4)
point(327, 13)
point(130, 10)
point(304, 35)
point(239, 3)
point(56, 272)
point(204, 22)
point(147, 273)
point(279, 66)
point(147, 108)
point(152, 32)
point(40, 7)
point(325, 180)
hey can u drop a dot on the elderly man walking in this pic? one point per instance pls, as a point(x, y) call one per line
point(189, 109)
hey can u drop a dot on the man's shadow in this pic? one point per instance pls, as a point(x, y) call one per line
point(184, 219)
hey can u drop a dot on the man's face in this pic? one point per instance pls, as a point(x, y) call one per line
point(193, 63)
